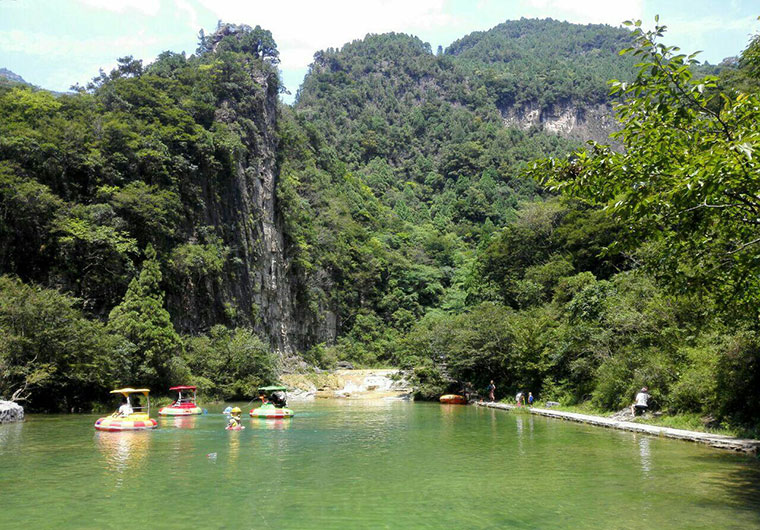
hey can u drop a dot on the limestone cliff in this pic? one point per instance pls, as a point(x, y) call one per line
point(240, 203)
point(567, 119)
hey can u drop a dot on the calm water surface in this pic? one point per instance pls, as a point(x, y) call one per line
point(357, 464)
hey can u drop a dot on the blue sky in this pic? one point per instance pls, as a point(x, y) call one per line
point(56, 43)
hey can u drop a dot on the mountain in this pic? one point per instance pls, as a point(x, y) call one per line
point(10, 76)
point(349, 214)
point(180, 155)
point(529, 74)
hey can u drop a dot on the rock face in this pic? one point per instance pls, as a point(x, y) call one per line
point(593, 122)
point(11, 76)
point(11, 412)
point(255, 288)
point(353, 384)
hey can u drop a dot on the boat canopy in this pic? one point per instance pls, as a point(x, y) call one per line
point(273, 388)
point(183, 388)
point(126, 391)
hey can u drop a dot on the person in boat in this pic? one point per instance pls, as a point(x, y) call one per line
point(125, 409)
point(264, 399)
point(234, 421)
point(641, 404)
point(278, 399)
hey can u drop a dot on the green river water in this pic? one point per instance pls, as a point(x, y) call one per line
point(367, 464)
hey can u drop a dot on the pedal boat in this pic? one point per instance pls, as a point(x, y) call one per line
point(268, 410)
point(184, 405)
point(139, 420)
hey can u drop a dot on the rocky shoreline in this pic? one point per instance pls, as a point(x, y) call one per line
point(348, 384)
point(11, 412)
point(719, 441)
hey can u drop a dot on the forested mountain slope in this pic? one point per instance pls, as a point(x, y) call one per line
point(180, 155)
point(428, 136)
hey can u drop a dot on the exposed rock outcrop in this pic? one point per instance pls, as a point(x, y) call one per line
point(11, 76)
point(354, 384)
point(569, 120)
point(10, 412)
point(256, 287)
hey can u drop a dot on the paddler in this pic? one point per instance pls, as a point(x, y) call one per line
point(234, 422)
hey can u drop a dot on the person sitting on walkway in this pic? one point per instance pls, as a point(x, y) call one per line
point(641, 404)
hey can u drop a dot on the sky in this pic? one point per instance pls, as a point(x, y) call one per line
point(57, 43)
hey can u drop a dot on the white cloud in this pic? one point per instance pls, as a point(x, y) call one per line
point(148, 7)
point(63, 46)
point(303, 27)
point(712, 23)
point(590, 11)
point(74, 60)
point(191, 13)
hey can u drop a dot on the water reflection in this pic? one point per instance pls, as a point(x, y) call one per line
point(519, 425)
point(179, 422)
point(645, 455)
point(124, 452)
point(271, 424)
point(10, 434)
point(234, 450)
point(357, 465)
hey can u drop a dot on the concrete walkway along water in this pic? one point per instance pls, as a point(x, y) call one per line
point(719, 441)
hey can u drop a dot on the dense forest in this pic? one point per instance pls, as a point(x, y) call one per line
point(173, 222)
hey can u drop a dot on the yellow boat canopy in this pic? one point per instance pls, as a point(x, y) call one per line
point(126, 391)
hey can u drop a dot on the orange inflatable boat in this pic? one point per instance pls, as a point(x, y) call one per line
point(453, 399)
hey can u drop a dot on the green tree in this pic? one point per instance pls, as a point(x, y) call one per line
point(230, 363)
point(688, 181)
point(50, 353)
point(142, 319)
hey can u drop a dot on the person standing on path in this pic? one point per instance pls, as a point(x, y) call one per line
point(491, 389)
point(530, 399)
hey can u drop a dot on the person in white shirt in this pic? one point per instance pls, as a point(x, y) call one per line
point(641, 404)
point(125, 409)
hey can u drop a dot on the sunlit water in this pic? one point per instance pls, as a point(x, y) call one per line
point(356, 464)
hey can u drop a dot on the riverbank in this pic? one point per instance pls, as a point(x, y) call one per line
point(720, 441)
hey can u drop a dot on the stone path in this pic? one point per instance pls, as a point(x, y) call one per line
point(720, 441)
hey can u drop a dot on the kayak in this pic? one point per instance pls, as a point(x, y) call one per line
point(453, 399)
point(238, 428)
